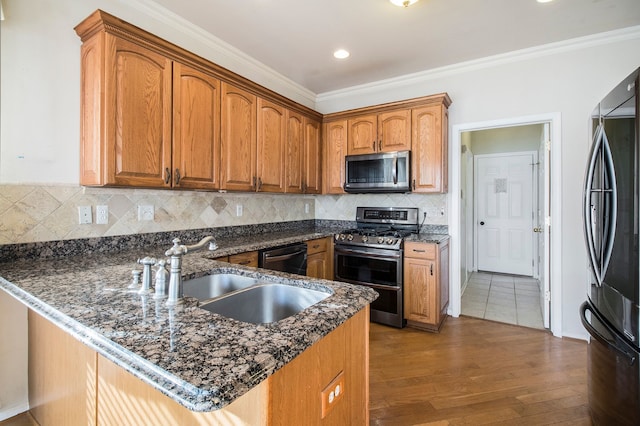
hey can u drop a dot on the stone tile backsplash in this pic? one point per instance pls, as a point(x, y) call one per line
point(36, 213)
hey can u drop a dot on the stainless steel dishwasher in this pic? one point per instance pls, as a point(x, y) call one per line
point(291, 258)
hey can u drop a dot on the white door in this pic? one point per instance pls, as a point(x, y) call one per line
point(544, 224)
point(504, 212)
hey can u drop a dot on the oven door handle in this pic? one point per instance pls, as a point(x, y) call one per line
point(384, 287)
point(395, 255)
point(395, 170)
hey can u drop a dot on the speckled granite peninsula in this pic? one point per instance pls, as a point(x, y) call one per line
point(198, 358)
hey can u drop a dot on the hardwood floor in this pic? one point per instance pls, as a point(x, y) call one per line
point(476, 372)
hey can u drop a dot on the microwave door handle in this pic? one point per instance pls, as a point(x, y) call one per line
point(395, 170)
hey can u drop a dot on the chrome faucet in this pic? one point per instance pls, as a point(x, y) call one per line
point(176, 252)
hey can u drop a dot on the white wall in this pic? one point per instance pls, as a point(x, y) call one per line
point(506, 139)
point(569, 81)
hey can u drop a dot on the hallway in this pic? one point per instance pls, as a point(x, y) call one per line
point(503, 298)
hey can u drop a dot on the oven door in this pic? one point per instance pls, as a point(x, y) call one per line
point(378, 269)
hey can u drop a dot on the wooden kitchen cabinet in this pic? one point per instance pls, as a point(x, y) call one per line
point(295, 160)
point(312, 165)
point(238, 141)
point(147, 121)
point(384, 132)
point(69, 383)
point(426, 284)
point(320, 258)
point(249, 258)
point(335, 150)
point(429, 149)
point(272, 125)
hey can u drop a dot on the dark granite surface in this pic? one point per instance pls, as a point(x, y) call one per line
point(427, 238)
point(200, 359)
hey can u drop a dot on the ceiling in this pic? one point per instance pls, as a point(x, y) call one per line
point(297, 38)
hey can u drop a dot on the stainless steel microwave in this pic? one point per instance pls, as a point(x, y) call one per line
point(380, 172)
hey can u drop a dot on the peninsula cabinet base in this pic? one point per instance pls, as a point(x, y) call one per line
point(71, 384)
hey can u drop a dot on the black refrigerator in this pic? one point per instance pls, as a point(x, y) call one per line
point(611, 214)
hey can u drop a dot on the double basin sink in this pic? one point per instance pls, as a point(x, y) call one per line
point(249, 299)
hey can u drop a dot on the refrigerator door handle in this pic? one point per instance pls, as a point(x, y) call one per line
point(612, 344)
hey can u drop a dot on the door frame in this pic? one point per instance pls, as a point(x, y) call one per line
point(555, 197)
point(534, 206)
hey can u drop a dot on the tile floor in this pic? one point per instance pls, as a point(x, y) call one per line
point(503, 298)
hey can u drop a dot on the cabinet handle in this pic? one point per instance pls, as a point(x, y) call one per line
point(315, 246)
point(380, 145)
point(431, 269)
point(414, 184)
point(167, 176)
point(177, 177)
point(253, 187)
point(259, 183)
point(246, 262)
point(373, 146)
point(419, 251)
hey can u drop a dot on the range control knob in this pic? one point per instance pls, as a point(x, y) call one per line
point(365, 238)
point(350, 237)
point(390, 241)
point(380, 240)
point(342, 237)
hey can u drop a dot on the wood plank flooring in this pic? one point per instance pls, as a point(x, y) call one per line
point(476, 372)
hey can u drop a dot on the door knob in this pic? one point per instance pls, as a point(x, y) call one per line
point(537, 229)
point(481, 223)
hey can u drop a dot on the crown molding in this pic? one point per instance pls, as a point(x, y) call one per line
point(234, 59)
point(629, 33)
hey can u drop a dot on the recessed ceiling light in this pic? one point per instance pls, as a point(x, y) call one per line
point(403, 3)
point(544, 1)
point(341, 54)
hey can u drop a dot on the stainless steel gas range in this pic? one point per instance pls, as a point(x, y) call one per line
point(371, 255)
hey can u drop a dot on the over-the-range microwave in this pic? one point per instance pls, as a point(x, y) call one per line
point(379, 172)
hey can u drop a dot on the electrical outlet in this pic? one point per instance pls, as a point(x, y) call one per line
point(238, 210)
point(145, 212)
point(332, 394)
point(84, 215)
point(102, 215)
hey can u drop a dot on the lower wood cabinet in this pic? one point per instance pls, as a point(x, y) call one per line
point(248, 258)
point(426, 284)
point(320, 258)
point(70, 384)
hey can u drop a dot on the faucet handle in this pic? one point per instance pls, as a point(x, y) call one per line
point(147, 263)
point(135, 281)
point(177, 249)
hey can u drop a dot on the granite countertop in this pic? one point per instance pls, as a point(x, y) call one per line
point(427, 238)
point(202, 360)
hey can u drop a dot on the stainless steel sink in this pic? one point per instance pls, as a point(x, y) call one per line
point(216, 285)
point(265, 303)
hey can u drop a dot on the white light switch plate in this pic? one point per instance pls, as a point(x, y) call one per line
point(84, 215)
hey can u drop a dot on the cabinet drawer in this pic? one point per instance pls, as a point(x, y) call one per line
point(249, 258)
point(317, 246)
point(420, 250)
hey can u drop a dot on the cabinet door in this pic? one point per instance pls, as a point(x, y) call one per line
point(420, 285)
point(335, 136)
point(362, 136)
point(295, 152)
point(312, 168)
point(429, 149)
point(394, 131)
point(249, 258)
point(196, 129)
point(138, 115)
point(238, 141)
point(271, 146)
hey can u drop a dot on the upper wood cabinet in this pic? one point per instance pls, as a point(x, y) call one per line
point(335, 150)
point(312, 166)
point(196, 129)
point(429, 149)
point(155, 115)
point(272, 125)
point(295, 152)
point(238, 141)
point(385, 132)
point(126, 114)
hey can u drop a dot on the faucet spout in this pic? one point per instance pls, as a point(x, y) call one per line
point(175, 293)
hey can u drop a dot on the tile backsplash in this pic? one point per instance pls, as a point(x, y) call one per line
point(36, 213)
